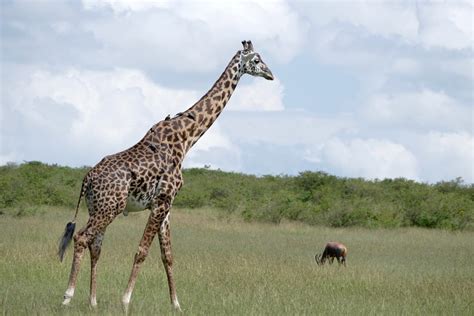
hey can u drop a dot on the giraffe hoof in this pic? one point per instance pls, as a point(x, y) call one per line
point(177, 308)
point(125, 308)
point(66, 301)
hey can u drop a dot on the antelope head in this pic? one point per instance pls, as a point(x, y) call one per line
point(317, 257)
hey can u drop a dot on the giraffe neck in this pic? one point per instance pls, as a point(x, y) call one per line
point(210, 106)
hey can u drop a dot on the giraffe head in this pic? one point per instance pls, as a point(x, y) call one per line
point(252, 63)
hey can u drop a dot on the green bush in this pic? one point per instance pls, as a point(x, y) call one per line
point(34, 183)
point(316, 198)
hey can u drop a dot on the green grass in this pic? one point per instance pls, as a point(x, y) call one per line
point(224, 266)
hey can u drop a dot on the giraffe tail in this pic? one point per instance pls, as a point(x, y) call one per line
point(66, 239)
point(70, 227)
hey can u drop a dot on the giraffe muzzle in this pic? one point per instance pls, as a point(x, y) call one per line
point(267, 74)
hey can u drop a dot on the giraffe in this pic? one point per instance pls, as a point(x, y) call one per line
point(148, 176)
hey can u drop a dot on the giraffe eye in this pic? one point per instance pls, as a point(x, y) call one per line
point(257, 60)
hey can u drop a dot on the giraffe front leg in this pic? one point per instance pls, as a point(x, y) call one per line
point(151, 229)
point(95, 249)
point(164, 236)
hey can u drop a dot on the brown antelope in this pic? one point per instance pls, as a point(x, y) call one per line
point(331, 251)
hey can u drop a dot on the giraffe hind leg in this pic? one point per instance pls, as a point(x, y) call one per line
point(81, 241)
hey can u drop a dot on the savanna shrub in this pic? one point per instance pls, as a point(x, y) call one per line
point(316, 198)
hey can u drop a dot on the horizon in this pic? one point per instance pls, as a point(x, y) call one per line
point(458, 180)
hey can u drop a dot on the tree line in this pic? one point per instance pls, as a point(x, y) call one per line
point(315, 198)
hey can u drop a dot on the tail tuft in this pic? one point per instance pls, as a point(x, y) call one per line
point(66, 239)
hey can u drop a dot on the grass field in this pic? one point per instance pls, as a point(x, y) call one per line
point(227, 267)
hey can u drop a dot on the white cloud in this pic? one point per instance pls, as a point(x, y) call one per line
point(446, 24)
point(284, 128)
point(360, 34)
point(445, 155)
point(462, 66)
point(88, 113)
point(386, 19)
point(193, 36)
point(212, 139)
point(390, 45)
point(368, 158)
point(153, 36)
point(429, 23)
point(260, 95)
point(218, 158)
point(76, 82)
point(424, 109)
point(215, 149)
point(406, 66)
point(106, 111)
point(111, 105)
point(123, 6)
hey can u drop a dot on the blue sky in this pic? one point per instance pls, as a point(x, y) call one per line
point(372, 89)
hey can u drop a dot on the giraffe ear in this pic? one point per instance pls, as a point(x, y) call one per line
point(250, 45)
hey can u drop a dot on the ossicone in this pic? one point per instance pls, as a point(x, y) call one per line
point(247, 45)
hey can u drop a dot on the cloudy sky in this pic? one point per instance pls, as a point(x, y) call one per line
point(373, 89)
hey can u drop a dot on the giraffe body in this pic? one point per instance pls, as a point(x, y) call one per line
point(148, 176)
